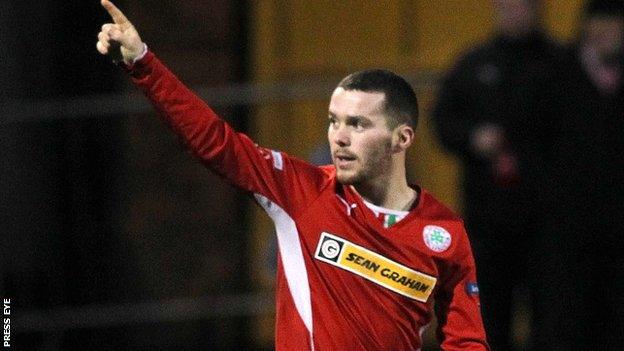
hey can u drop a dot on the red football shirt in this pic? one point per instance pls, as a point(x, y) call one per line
point(344, 281)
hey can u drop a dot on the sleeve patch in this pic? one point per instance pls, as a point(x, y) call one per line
point(472, 289)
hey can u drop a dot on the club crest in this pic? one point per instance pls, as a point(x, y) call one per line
point(436, 238)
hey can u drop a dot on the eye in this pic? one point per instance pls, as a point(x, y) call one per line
point(357, 123)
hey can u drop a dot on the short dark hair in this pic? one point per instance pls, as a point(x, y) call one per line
point(400, 100)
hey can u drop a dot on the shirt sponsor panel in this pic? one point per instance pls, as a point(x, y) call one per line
point(374, 267)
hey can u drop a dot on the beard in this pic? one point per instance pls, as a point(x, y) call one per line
point(367, 167)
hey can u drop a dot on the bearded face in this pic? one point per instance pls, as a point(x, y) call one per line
point(359, 137)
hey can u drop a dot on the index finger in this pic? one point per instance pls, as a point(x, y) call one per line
point(116, 14)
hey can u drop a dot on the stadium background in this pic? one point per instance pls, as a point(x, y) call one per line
point(113, 237)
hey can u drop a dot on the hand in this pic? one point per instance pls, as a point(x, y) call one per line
point(119, 36)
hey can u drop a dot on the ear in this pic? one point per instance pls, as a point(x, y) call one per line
point(402, 138)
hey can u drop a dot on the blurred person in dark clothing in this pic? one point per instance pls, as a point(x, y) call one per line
point(591, 177)
point(494, 113)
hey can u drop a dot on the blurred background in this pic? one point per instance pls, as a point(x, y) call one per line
point(112, 236)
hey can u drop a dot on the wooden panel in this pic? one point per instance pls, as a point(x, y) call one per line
point(444, 28)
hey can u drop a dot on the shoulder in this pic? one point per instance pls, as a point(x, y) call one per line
point(329, 170)
point(322, 176)
point(474, 62)
point(443, 229)
point(297, 173)
point(431, 208)
point(475, 54)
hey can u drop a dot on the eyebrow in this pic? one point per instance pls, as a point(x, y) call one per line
point(333, 115)
point(359, 118)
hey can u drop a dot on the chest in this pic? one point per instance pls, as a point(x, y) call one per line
point(347, 246)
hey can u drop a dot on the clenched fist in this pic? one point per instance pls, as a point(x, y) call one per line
point(119, 37)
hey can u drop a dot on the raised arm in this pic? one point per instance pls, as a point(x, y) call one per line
point(284, 180)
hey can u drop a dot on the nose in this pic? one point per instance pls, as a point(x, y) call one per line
point(340, 135)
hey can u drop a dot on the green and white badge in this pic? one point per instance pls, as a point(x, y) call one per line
point(436, 238)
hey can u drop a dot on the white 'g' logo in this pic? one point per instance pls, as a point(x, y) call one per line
point(330, 248)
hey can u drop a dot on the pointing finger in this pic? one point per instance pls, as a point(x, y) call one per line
point(116, 14)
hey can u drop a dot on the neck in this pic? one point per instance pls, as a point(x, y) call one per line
point(390, 192)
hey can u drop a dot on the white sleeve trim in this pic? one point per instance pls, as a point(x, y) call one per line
point(140, 57)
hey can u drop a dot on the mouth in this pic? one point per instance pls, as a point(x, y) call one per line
point(342, 160)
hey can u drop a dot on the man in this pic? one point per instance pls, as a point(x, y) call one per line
point(346, 279)
point(494, 113)
point(591, 178)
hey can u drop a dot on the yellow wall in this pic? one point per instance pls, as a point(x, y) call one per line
point(295, 40)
